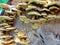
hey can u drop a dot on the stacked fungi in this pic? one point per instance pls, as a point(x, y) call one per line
point(34, 9)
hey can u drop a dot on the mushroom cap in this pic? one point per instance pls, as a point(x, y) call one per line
point(40, 20)
point(24, 5)
point(34, 13)
point(10, 12)
point(7, 29)
point(9, 42)
point(5, 6)
point(38, 2)
point(53, 8)
point(32, 7)
point(6, 37)
point(57, 4)
point(2, 29)
point(7, 26)
point(5, 18)
point(3, 24)
point(44, 14)
point(20, 34)
point(53, 16)
point(45, 10)
point(10, 28)
point(24, 40)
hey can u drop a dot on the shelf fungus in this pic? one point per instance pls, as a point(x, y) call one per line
point(52, 17)
point(4, 6)
point(34, 15)
point(24, 40)
point(37, 3)
point(3, 18)
point(33, 8)
point(22, 7)
point(24, 19)
point(10, 14)
point(3, 24)
point(26, 1)
point(7, 29)
point(10, 28)
point(54, 10)
point(44, 12)
point(8, 41)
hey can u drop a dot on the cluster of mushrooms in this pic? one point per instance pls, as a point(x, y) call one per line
point(39, 12)
point(31, 11)
point(9, 35)
point(7, 31)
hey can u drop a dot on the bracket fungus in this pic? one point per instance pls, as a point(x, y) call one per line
point(8, 41)
point(4, 6)
point(35, 12)
point(45, 11)
point(31, 8)
point(4, 18)
point(10, 14)
point(22, 7)
point(3, 24)
point(37, 3)
point(22, 38)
